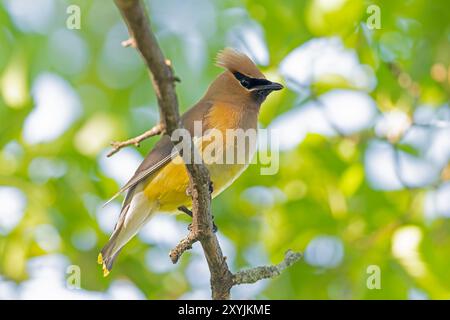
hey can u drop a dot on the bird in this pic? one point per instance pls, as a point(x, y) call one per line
point(161, 183)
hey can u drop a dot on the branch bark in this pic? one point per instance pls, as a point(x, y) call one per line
point(143, 39)
point(265, 272)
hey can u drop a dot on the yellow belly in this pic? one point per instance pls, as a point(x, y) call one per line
point(168, 185)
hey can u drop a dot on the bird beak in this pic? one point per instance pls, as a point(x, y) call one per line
point(272, 86)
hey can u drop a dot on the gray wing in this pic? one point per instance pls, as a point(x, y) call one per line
point(156, 159)
point(162, 152)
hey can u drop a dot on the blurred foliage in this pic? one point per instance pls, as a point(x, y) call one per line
point(321, 191)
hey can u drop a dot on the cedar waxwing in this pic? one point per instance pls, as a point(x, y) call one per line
point(160, 183)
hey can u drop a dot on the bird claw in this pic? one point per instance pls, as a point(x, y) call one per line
point(211, 187)
point(214, 228)
point(189, 213)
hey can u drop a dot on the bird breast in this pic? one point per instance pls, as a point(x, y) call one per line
point(226, 146)
point(229, 142)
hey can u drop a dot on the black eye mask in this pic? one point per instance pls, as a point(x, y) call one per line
point(250, 83)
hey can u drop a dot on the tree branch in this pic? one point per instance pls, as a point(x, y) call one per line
point(143, 39)
point(117, 145)
point(265, 272)
point(163, 79)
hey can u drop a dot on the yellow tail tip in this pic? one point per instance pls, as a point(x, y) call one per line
point(105, 271)
point(100, 259)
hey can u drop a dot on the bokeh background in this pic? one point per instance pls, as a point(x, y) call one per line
point(364, 130)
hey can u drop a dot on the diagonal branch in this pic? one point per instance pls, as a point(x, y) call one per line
point(143, 39)
point(134, 14)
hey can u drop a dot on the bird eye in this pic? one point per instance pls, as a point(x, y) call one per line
point(245, 83)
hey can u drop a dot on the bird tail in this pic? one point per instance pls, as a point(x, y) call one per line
point(109, 253)
point(133, 216)
point(118, 239)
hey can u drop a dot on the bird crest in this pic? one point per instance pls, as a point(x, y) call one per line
point(235, 61)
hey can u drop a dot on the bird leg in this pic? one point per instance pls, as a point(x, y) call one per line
point(189, 213)
point(185, 210)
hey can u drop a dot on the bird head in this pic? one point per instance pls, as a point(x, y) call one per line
point(242, 79)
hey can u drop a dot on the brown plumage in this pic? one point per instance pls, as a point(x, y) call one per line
point(159, 184)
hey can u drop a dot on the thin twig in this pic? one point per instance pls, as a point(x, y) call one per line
point(117, 145)
point(265, 272)
point(184, 245)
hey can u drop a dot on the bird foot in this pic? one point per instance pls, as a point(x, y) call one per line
point(189, 213)
point(211, 187)
point(214, 229)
